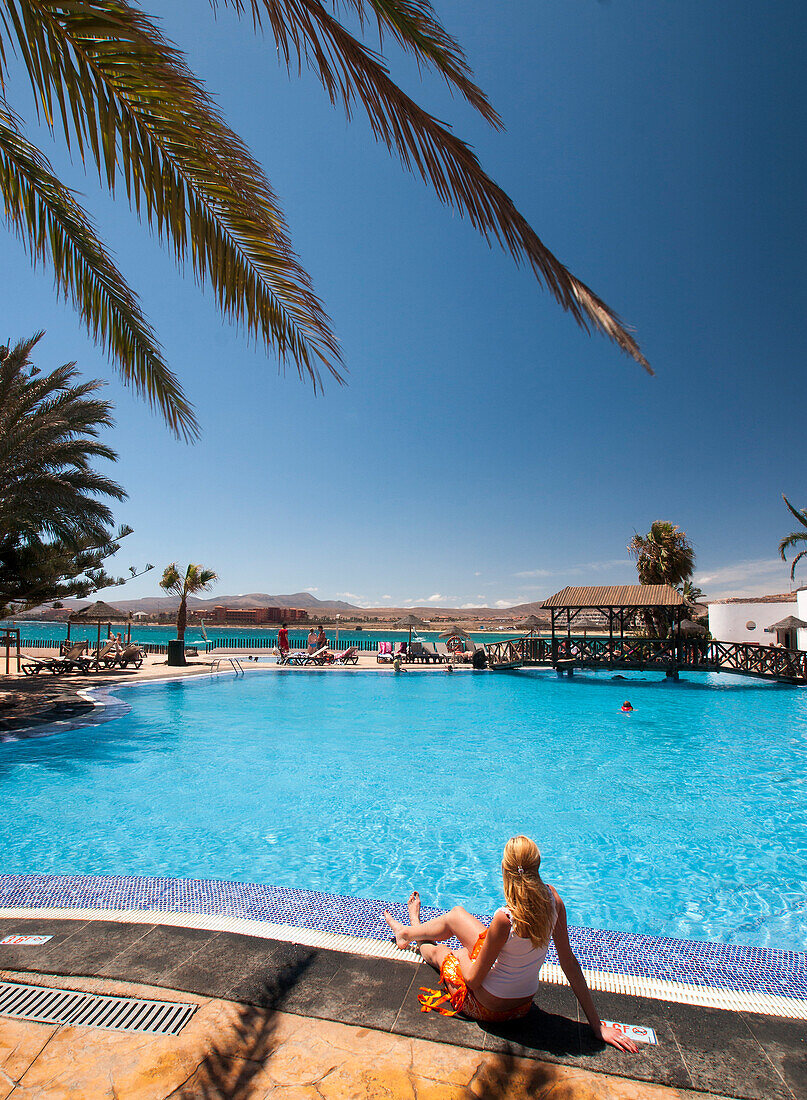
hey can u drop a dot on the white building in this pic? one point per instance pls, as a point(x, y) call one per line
point(801, 595)
point(745, 618)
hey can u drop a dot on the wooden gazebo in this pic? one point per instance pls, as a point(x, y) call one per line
point(617, 603)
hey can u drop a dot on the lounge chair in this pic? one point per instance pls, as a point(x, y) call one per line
point(131, 655)
point(105, 655)
point(32, 666)
point(349, 656)
point(444, 653)
point(321, 657)
point(417, 652)
point(384, 653)
point(76, 658)
point(294, 657)
point(431, 653)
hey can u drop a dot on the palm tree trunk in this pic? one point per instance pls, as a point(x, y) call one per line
point(182, 617)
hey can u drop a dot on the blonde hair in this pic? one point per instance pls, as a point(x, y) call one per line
point(527, 895)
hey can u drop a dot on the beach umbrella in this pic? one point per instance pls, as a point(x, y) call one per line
point(789, 623)
point(99, 612)
point(412, 622)
point(530, 624)
point(454, 632)
point(686, 626)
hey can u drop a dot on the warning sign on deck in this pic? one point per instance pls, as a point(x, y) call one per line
point(25, 941)
point(636, 1032)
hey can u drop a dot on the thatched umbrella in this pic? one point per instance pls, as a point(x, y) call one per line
point(411, 621)
point(686, 626)
point(454, 632)
point(788, 623)
point(530, 624)
point(98, 612)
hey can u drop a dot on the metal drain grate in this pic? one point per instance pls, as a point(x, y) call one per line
point(45, 1005)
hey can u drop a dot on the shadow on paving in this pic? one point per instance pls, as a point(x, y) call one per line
point(546, 1032)
point(505, 1076)
point(237, 1056)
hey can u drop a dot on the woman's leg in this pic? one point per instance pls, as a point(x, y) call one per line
point(456, 922)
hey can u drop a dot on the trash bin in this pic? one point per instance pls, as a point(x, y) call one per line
point(176, 652)
point(480, 658)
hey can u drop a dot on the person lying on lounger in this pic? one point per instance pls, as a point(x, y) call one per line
point(494, 976)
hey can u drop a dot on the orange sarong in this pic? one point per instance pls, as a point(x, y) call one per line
point(460, 997)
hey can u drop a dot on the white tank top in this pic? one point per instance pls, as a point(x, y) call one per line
point(515, 971)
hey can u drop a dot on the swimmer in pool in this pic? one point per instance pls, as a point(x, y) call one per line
point(626, 707)
point(494, 975)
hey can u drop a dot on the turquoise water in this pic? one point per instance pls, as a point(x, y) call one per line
point(257, 635)
point(686, 818)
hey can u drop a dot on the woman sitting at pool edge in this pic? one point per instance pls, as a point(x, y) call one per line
point(494, 976)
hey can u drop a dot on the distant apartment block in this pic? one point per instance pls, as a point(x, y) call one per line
point(255, 616)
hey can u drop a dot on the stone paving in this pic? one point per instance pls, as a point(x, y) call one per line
point(238, 1052)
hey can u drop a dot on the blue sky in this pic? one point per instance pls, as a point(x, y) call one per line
point(485, 450)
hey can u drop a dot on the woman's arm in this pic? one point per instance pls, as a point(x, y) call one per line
point(571, 968)
point(475, 972)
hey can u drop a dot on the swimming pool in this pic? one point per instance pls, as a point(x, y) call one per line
point(685, 818)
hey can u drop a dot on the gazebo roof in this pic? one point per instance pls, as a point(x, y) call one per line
point(788, 623)
point(616, 596)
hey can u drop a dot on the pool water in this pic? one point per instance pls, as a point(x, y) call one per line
point(686, 818)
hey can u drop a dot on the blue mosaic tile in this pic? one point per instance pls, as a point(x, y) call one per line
point(695, 962)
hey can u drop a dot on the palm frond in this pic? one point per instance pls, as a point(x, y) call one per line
point(55, 229)
point(128, 99)
point(351, 73)
point(801, 515)
point(791, 540)
point(412, 23)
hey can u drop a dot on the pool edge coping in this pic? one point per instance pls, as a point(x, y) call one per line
point(598, 980)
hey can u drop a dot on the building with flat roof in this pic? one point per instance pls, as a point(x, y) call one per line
point(750, 619)
point(255, 616)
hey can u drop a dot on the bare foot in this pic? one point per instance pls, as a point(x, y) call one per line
point(401, 932)
point(413, 905)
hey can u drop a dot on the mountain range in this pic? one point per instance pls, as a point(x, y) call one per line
point(154, 604)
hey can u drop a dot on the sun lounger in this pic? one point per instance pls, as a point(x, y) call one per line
point(418, 652)
point(295, 657)
point(32, 666)
point(131, 655)
point(384, 653)
point(105, 655)
point(432, 656)
point(443, 652)
point(320, 657)
point(349, 656)
point(76, 658)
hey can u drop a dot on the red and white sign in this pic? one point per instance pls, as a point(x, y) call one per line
point(634, 1031)
point(25, 941)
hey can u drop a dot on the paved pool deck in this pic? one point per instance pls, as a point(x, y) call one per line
point(280, 993)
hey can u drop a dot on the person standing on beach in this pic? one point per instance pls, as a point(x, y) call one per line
point(312, 640)
point(322, 638)
point(283, 641)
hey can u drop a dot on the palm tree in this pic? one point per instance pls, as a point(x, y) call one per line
point(49, 427)
point(125, 98)
point(55, 524)
point(196, 579)
point(795, 538)
point(663, 556)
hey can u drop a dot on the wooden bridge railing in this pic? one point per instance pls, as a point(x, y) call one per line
point(686, 654)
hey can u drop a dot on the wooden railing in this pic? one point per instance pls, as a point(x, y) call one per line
point(684, 654)
point(509, 652)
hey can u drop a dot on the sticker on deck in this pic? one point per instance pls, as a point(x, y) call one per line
point(634, 1031)
point(25, 941)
